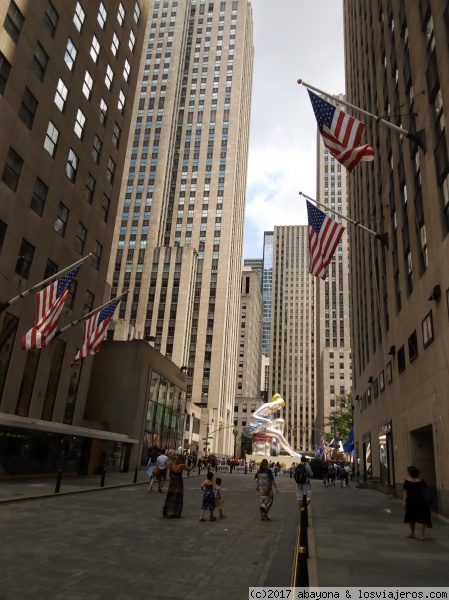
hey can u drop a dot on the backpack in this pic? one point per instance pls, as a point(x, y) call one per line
point(301, 473)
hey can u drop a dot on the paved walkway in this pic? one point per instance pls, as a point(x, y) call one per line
point(113, 542)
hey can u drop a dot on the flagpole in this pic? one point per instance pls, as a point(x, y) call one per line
point(92, 312)
point(419, 137)
point(5, 305)
point(382, 237)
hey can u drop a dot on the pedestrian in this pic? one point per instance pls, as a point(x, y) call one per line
point(415, 501)
point(152, 467)
point(208, 502)
point(189, 464)
point(331, 474)
point(219, 498)
point(162, 465)
point(303, 475)
point(345, 475)
point(326, 473)
point(265, 482)
point(175, 493)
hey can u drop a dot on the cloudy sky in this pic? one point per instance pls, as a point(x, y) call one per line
point(292, 39)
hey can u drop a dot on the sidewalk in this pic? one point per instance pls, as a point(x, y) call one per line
point(113, 542)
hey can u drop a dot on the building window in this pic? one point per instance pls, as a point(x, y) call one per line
point(132, 40)
point(136, 12)
point(28, 108)
point(87, 85)
point(115, 44)
point(121, 101)
point(116, 135)
point(5, 69)
point(95, 49)
point(105, 204)
point(121, 14)
point(80, 239)
point(109, 77)
point(39, 197)
point(51, 19)
point(102, 15)
point(126, 70)
point(50, 269)
point(110, 171)
point(89, 188)
point(78, 17)
point(14, 21)
point(40, 61)
point(96, 149)
point(103, 111)
point(62, 217)
point(80, 124)
point(97, 251)
point(70, 54)
point(12, 169)
point(25, 259)
point(51, 139)
point(61, 95)
point(88, 303)
point(72, 165)
point(427, 330)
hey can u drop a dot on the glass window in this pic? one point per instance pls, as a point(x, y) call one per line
point(87, 85)
point(97, 251)
point(78, 17)
point(88, 303)
point(39, 196)
point(80, 240)
point(89, 189)
point(96, 149)
point(51, 19)
point(62, 217)
point(51, 139)
point(126, 70)
point(95, 49)
point(121, 101)
point(80, 124)
point(40, 61)
point(12, 169)
point(109, 77)
point(5, 69)
point(102, 15)
point(70, 54)
point(7, 335)
point(103, 111)
point(72, 165)
point(137, 12)
point(14, 21)
point(25, 259)
point(105, 203)
point(115, 44)
point(28, 108)
point(110, 171)
point(27, 385)
point(61, 95)
point(116, 135)
point(121, 14)
point(53, 380)
point(132, 40)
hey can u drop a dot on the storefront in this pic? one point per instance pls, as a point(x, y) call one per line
point(386, 455)
point(366, 456)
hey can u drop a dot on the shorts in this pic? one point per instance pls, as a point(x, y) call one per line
point(218, 503)
point(304, 488)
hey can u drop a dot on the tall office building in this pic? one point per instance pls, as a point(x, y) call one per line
point(256, 265)
point(400, 292)
point(67, 82)
point(333, 333)
point(267, 278)
point(250, 344)
point(292, 352)
point(178, 236)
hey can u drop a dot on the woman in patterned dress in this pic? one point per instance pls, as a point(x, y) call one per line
point(175, 493)
point(265, 483)
point(208, 503)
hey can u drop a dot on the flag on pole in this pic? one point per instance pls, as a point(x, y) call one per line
point(49, 304)
point(324, 235)
point(348, 446)
point(95, 330)
point(341, 133)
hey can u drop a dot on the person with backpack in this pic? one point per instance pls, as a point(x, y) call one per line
point(303, 475)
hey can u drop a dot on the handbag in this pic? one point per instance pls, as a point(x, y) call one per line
point(426, 494)
point(155, 470)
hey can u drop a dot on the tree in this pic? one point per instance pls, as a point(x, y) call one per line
point(340, 418)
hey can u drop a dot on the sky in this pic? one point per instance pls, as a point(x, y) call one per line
point(293, 39)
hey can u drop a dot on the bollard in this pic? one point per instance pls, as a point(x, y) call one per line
point(305, 505)
point(302, 571)
point(103, 475)
point(303, 537)
point(135, 476)
point(58, 482)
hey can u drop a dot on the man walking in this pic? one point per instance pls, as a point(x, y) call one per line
point(303, 474)
point(162, 465)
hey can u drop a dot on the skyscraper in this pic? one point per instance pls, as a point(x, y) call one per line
point(400, 292)
point(178, 237)
point(68, 74)
point(292, 353)
point(267, 278)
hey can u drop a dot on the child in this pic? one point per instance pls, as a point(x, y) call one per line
point(208, 503)
point(219, 498)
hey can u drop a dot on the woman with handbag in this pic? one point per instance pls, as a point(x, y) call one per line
point(416, 500)
point(152, 467)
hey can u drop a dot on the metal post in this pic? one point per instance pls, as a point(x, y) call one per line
point(303, 537)
point(302, 572)
point(135, 476)
point(58, 482)
point(306, 510)
point(103, 475)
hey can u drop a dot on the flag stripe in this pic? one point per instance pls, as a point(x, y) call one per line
point(324, 235)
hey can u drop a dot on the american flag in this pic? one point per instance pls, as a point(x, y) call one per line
point(49, 304)
point(95, 329)
point(341, 133)
point(324, 235)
